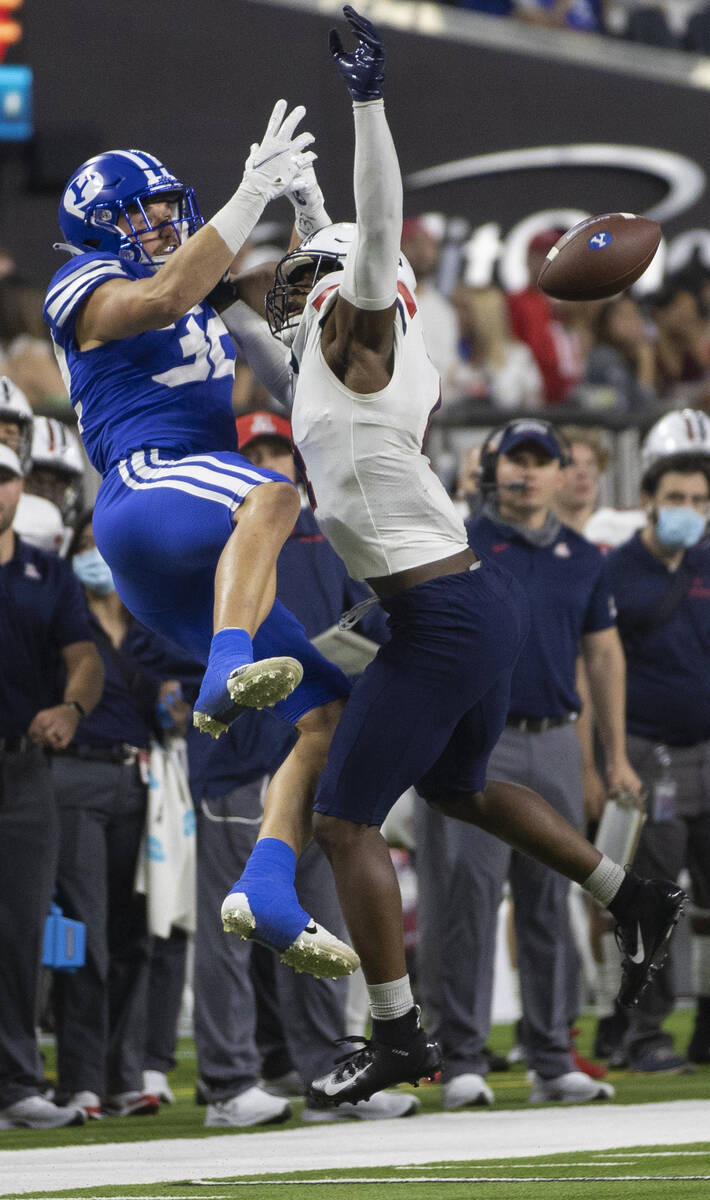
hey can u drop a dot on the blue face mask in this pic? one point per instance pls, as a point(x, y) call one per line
point(94, 572)
point(679, 528)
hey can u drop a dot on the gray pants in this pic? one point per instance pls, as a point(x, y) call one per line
point(225, 1004)
point(665, 848)
point(461, 874)
point(101, 1009)
point(29, 839)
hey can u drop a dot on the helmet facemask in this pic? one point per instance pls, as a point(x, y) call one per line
point(184, 219)
point(295, 277)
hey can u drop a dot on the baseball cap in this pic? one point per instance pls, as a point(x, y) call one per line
point(529, 431)
point(254, 425)
point(9, 460)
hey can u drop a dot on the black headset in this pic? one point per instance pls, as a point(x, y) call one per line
point(491, 447)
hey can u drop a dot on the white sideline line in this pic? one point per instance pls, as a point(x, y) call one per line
point(430, 1138)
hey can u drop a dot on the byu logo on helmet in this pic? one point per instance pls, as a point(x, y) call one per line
point(82, 191)
point(599, 241)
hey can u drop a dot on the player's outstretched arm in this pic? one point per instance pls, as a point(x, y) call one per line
point(308, 205)
point(121, 309)
point(370, 275)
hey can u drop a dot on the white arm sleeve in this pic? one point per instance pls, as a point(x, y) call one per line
point(370, 273)
point(265, 355)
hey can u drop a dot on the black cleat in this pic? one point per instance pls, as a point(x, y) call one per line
point(373, 1066)
point(643, 934)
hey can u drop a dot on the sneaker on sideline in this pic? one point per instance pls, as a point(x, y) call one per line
point(289, 1084)
point(252, 1107)
point(372, 1066)
point(574, 1087)
point(643, 933)
point(131, 1104)
point(155, 1083)
point(89, 1103)
point(585, 1065)
point(36, 1112)
point(382, 1106)
point(659, 1059)
point(466, 1090)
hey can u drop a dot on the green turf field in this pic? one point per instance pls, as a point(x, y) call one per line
point(630, 1174)
point(659, 1171)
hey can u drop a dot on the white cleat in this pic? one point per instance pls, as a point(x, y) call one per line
point(264, 682)
point(464, 1091)
point(382, 1106)
point(314, 951)
point(573, 1087)
point(255, 685)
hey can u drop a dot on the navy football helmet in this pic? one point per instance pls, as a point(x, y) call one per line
point(116, 184)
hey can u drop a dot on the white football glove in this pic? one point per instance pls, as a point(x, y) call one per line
point(275, 161)
point(308, 203)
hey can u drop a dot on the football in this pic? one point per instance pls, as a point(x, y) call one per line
point(599, 257)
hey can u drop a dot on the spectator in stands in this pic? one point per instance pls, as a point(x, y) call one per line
point(623, 359)
point(682, 358)
point(101, 781)
point(661, 581)
point(441, 326)
point(492, 364)
point(25, 351)
point(576, 500)
point(43, 623)
point(582, 15)
point(546, 326)
point(570, 601)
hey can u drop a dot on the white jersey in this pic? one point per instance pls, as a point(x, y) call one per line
point(377, 498)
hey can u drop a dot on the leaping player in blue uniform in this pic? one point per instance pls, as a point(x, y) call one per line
point(190, 529)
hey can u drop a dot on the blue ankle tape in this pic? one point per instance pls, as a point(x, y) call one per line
point(230, 648)
point(268, 883)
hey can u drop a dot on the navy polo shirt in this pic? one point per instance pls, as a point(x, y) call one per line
point(312, 582)
point(42, 610)
point(668, 669)
point(569, 593)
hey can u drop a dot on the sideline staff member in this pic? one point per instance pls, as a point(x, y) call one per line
point(43, 621)
point(661, 581)
point(571, 605)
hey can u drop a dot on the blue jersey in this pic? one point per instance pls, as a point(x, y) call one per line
point(169, 389)
point(570, 595)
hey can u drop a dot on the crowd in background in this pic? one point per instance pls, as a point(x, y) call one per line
point(116, 1019)
point(671, 24)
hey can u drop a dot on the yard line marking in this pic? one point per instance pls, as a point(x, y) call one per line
point(342, 1180)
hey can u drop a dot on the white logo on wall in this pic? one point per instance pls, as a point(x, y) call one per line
point(486, 246)
point(82, 190)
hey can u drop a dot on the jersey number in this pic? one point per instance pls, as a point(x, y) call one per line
point(205, 349)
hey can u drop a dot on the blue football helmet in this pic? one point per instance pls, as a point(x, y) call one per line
point(115, 184)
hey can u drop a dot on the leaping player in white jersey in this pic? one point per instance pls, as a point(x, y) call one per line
point(430, 707)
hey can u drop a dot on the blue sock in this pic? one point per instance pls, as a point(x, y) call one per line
point(230, 648)
point(268, 882)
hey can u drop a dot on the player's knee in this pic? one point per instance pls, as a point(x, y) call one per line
point(336, 836)
point(273, 504)
point(462, 806)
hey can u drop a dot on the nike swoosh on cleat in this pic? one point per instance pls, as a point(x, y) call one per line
point(332, 1089)
point(640, 954)
point(312, 928)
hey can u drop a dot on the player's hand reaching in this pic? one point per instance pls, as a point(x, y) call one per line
point(308, 203)
point(363, 69)
point(279, 156)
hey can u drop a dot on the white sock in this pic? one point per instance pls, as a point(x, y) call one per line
point(390, 1000)
point(605, 881)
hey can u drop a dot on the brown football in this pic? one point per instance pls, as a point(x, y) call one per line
point(599, 257)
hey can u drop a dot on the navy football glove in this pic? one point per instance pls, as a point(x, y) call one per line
point(364, 69)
